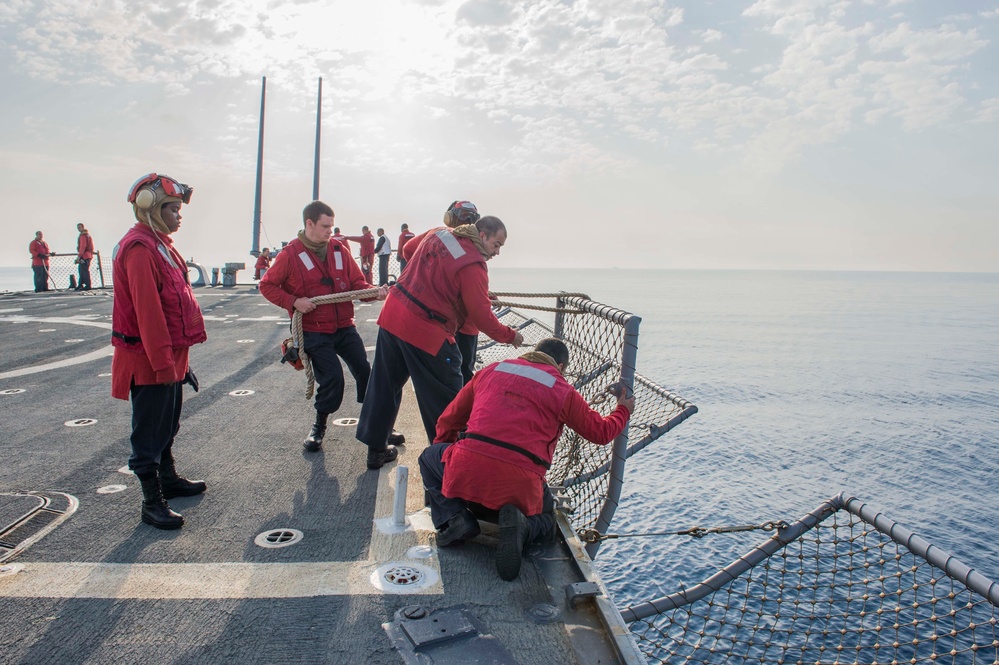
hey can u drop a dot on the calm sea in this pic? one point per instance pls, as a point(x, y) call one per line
point(883, 385)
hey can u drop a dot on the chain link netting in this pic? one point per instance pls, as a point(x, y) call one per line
point(843, 591)
point(62, 266)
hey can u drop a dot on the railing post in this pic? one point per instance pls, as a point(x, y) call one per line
point(629, 357)
point(100, 268)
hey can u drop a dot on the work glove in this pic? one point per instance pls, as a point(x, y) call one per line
point(190, 379)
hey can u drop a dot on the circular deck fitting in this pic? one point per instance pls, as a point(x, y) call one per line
point(111, 489)
point(415, 612)
point(47, 330)
point(104, 374)
point(125, 469)
point(12, 391)
point(420, 552)
point(345, 422)
point(73, 341)
point(543, 613)
point(245, 341)
point(278, 538)
point(241, 393)
point(398, 577)
point(80, 422)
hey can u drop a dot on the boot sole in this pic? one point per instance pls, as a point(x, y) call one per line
point(509, 554)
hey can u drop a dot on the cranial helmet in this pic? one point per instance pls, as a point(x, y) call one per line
point(150, 192)
point(461, 212)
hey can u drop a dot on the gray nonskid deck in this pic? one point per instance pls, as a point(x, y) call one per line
point(101, 587)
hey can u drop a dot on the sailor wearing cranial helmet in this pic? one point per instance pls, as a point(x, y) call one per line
point(155, 321)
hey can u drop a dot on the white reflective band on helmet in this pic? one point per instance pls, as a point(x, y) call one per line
point(309, 265)
point(339, 260)
point(452, 244)
point(528, 372)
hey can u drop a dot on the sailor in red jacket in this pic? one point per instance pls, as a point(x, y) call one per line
point(84, 254)
point(507, 422)
point(262, 264)
point(445, 283)
point(467, 338)
point(367, 242)
point(154, 321)
point(313, 265)
point(404, 237)
point(39, 250)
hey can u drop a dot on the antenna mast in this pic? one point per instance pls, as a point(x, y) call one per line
point(255, 248)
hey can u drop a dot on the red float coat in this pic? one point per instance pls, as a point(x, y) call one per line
point(413, 244)
point(519, 402)
point(39, 248)
point(403, 239)
point(154, 303)
point(298, 273)
point(367, 242)
point(449, 276)
point(263, 263)
point(85, 247)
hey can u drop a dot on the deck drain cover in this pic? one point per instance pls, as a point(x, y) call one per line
point(345, 422)
point(125, 469)
point(12, 391)
point(399, 577)
point(241, 393)
point(80, 422)
point(278, 538)
point(111, 489)
point(543, 613)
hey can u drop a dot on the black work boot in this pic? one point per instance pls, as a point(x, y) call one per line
point(458, 529)
point(512, 539)
point(155, 510)
point(396, 438)
point(173, 485)
point(379, 458)
point(314, 441)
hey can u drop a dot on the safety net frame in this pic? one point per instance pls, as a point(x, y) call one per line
point(603, 348)
point(845, 584)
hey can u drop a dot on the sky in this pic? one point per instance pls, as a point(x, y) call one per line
point(735, 134)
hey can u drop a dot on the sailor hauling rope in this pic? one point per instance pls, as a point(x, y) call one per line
point(315, 280)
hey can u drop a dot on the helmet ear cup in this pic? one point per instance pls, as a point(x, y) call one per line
point(448, 219)
point(144, 199)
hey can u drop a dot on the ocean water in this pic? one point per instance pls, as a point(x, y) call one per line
point(882, 385)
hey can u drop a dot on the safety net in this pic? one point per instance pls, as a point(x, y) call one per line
point(844, 584)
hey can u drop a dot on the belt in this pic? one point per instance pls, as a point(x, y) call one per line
point(509, 446)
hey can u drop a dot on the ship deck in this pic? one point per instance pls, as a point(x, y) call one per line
point(83, 581)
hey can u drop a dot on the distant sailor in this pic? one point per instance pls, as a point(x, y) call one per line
point(367, 242)
point(39, 250)
point(506, 423)
point(315, 264)
point(263, 263)
point(84, 254)
point(446, 283)
point(383, 248)
point(405, 236)
point(155, 320)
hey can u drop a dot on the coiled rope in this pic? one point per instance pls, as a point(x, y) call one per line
point(299, 337)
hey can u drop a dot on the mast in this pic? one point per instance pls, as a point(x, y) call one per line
point(319, 126)
point(255, 248)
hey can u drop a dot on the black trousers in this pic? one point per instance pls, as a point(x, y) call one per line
point(443, 508)
point(436, 381)
point(155, 423)
point(84, 269)
point(326, 349)
point(383, 260)
point(41, 278)
point(468, 345)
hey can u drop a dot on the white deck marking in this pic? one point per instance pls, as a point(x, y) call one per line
point(68, 362)
point(236, 579)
